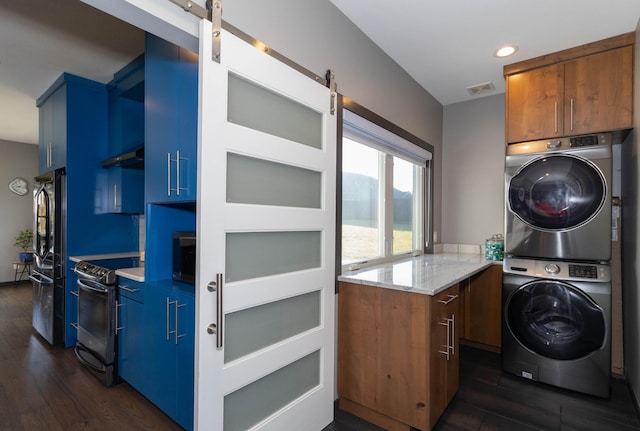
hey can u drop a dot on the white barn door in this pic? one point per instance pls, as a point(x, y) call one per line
point(266, 228)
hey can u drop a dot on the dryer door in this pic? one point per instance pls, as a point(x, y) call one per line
point(557, 192)
point(555, 320)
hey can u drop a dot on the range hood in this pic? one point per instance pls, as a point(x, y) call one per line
point(132, 160)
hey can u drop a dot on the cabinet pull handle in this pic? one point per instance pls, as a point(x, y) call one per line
point(177, 333)
point(177, 172)
point(115, 196)
point(451, 298)
point(169, 332)
point(74, 292)
point(555, 117)
point(168, 174)
point(128, 289)
point(453, 334)
point(447, 350)
point(118, 327)
point(216, 327)
point(572, 114)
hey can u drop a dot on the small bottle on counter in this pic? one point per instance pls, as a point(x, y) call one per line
point(494, 247)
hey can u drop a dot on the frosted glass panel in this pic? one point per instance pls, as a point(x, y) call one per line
point(259, 254)
point(256, 181)
point(252, 329)
point(258, 108)
point(249, 405)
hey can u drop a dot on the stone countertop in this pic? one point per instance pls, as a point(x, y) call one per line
point(135, 274)
point(428, 274)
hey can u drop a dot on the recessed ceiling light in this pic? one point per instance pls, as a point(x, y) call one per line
point(506, 51)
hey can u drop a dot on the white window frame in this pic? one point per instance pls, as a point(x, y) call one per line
point(366, 128)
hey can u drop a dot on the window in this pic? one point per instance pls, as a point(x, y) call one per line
point(384, 184)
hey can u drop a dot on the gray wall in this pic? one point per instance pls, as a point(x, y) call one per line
point(630, 236)
point(473, 170)
point(16, 160)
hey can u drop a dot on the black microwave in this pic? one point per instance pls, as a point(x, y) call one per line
point(184, 257)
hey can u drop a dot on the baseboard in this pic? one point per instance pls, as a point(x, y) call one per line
point(13, 283)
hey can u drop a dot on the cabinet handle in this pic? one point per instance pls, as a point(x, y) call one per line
point(556, 117)
point(168, 174)
point(216, 327)
point(74, 293)
point(451, 298)
point(177, 333)
point(128, 289)
point(177, 172)
point(572, 114)
point(446, 346)
point(49, 156)
point(118, 327)
point(115, 196)
point(453, 334)
point(169, 332)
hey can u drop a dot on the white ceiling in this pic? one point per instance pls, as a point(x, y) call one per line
point(41, 39)
point(445, 46)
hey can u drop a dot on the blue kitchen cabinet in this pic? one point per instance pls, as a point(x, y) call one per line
point(74, 119)
point(170, 342)
point(126, 108)
point(171, 122)
point(52, 132)
point(125, 190)
point(131, 336)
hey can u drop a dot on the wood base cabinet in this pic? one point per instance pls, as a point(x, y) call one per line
point(481, 307)
point(397, 354)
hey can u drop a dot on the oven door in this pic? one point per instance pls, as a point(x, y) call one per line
point(96, 315)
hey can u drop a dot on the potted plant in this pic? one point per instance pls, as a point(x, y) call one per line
point(24, 240)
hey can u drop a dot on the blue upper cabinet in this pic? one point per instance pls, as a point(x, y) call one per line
point(53, 128)
point(171, 122)
point(126, 108)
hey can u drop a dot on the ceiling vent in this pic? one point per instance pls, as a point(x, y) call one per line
point(475, 90)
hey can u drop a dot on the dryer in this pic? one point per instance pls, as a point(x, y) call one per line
point(558, 199)
point(556, 323)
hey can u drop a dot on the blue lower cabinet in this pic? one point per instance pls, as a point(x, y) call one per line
point(131, 337)
point(170, 332)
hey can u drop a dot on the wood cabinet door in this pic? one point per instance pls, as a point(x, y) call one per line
point(445, 324)
point(599, 92)
point(534, 104)
point(382, 351)
point(483, 307)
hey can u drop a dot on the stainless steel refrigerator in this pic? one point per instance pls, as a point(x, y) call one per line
point(48, 276)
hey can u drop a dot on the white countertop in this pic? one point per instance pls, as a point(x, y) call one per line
point(136, 274)
point(427, 274)
point(105, 256)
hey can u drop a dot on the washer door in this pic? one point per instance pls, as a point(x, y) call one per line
point(555, 320)
point(557, 192)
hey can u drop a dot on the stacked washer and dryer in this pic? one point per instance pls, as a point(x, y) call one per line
point(556, 290)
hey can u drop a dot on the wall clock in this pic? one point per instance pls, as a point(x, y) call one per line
point(18, 186)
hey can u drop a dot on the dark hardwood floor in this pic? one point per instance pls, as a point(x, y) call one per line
point(45, 388)
point(489, 399)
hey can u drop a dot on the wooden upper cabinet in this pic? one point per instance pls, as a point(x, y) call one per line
point(587, 89)
point(534, 104)
point(599, 92)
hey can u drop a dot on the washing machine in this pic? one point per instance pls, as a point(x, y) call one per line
point(556, 323)
point(558, 198)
